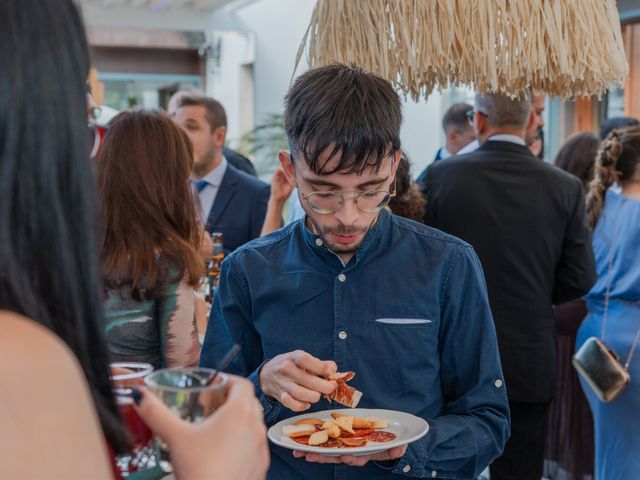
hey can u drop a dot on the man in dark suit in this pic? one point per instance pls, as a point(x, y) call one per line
point(232, 202)
point(458, 131)
point(526, 221)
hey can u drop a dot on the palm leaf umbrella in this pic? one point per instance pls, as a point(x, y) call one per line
point(562, 47)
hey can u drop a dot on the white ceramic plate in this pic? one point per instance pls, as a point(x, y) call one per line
point(408, 428)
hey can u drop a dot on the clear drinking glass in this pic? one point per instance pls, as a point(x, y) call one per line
point(186, 392)
point(125, 376)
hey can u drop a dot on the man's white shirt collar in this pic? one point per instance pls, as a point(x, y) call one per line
point(505, 137)
point(215, 176)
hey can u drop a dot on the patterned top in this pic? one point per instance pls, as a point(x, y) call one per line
point(160, 331)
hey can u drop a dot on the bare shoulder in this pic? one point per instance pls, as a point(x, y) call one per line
point(46, 408)
point(22, 338)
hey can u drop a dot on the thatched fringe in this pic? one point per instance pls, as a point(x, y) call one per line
point(562, 47)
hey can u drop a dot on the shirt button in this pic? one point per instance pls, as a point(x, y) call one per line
point(434, 474)
point(319, 242)
point(342, 335)
point(342, 277)
point(498, 383)
point(406, 468)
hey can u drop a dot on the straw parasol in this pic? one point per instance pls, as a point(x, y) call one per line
point(563, 47)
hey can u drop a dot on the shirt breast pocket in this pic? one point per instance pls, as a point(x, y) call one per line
point(406, 353)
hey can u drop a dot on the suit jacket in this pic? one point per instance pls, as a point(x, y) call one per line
point(423, 175)
point(239, 208)
point(526, 220)
point(239, 161)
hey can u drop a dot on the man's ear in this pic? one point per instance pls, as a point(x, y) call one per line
point(396, 161)
point(219, 136)
point(533, 120)
point(287, 165)
point(479, 123)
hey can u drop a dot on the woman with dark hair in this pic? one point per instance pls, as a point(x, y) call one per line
point(578, 156)
point(569, 446)
point(614, 301)
point(56, 407)
point(150, 239)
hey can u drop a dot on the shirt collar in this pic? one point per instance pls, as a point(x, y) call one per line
point(214, 177)
point(505, 137)
point(444, 153)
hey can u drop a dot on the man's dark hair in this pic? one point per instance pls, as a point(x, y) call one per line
point(215, 114)
point(456, 118)
point(354, 113)
point(614, 123)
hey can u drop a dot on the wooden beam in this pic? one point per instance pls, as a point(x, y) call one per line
point(631, 38)
point(110, 37)
point(585, 115)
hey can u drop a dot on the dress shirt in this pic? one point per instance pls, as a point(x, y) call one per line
point(408, 313)
point(506, 137)
point(469, 147)
point(208, 194)
point(444, 154)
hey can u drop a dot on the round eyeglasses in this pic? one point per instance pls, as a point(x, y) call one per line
point(331, 202)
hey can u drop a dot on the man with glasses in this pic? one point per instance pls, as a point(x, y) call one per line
point(526, 219)
point(351, 287)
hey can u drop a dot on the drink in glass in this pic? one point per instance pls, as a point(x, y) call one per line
point(125, 376)
point(187, 393)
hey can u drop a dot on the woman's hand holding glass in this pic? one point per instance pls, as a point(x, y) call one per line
point(229, 444)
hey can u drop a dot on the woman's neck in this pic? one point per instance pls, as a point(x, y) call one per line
point(631, 189)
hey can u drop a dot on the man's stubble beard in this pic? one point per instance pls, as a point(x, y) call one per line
point(341, 230)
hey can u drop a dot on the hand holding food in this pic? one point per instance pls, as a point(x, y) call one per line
point(297, 379)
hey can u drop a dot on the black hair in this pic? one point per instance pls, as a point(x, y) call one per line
point(49, 268)
point(355, 114)
point(456, 118)
point(614, 123)
point(578, 156)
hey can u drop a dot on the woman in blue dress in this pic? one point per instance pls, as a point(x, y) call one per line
point(614, 214)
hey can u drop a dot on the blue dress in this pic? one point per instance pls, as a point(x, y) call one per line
point(617, 424)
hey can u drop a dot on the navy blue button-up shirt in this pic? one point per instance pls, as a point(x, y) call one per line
point(409, 314)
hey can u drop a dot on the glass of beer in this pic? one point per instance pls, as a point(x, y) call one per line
point(188, 393)
point(125, 376)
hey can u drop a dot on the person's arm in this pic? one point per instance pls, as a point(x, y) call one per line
point(280, 193)
point(259, 211)
point(292, 379)
point(575, 274)
point(49, 426)
point(206, 246)
point(175, 313)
